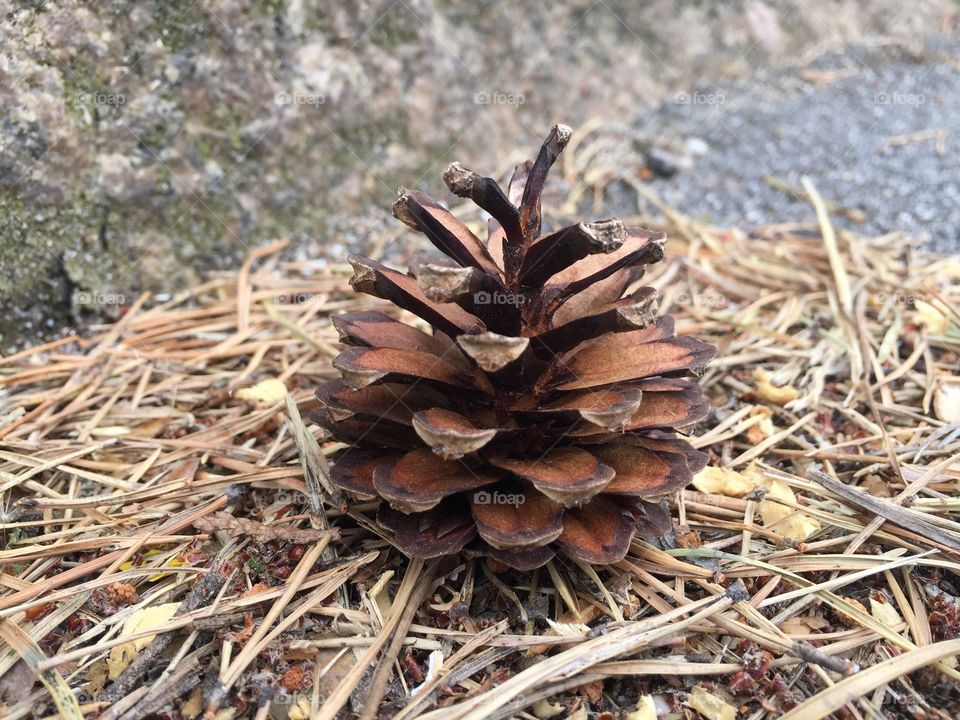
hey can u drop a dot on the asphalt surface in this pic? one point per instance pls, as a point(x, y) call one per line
point(877, 130)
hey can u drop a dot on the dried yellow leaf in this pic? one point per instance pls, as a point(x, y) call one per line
point(764, 427)
point(265, 392)
point(771, 512)
point(300, 710)
point(709, 705)
point(884, 613)
point(792, 523)
point(926, 314)
point(737, 483)
point(546, 710)
point(725, 481)
point(646, 709)
point(778, 395)
point(143, 619)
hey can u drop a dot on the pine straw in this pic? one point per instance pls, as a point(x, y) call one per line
point(133, 476)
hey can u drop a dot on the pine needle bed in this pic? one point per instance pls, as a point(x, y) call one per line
point(159, 488)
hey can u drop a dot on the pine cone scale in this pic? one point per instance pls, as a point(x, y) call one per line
point(522, 520)
point(568, 475)
point(420, 480)
point(598, 533)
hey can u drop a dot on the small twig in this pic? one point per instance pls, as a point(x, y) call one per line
point(904, 517)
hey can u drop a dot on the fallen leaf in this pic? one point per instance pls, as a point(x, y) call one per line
point(264, 393)
point(709, 705)
point(778, 395)
point(803, 625)
point(737, 483)
point(946, 402)
point(937, 323)
point(725, 481)
point(876, 486)
point(792, 523)
point(764, 427)
point(884, 613)
point(143, 619)
point(300, 710)
point(646, 709)
point(546, 710)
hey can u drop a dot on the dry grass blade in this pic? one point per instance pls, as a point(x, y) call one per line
point(580, 659)
point(851, 689)
point(404, 605)
point(904, 517)
point(257, 642)
point(32, 655)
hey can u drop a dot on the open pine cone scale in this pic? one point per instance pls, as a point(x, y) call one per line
point(541, 411)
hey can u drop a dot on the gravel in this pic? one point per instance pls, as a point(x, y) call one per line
point(835, 121)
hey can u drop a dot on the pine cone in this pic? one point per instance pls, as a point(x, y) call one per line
point(540, 413)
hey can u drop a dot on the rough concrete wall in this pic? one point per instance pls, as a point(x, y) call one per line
point(145, 143)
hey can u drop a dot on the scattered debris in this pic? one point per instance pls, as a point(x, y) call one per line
point(826, 535)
